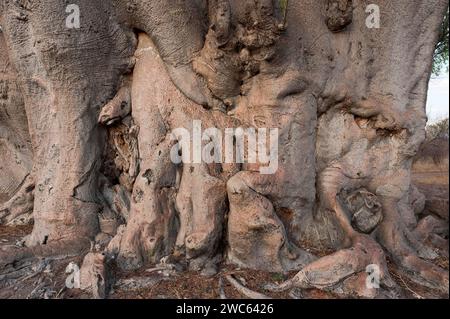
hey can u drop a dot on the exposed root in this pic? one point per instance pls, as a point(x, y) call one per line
point(244, 290)
point(20, 204)
point(433, 231)
point(408, 252)
point(343, 272)
point(296, 294)
point(222, 289)
point(288, 284)
point(12, 257)
point(166, 268)
point(94, 275)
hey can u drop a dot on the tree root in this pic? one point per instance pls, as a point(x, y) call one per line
point(12, 257)
point(20, 204)
point(244, 290)
point(94, 275)
point(411, 255)
point(222, 289)
point(407, 250)
point(343, 272)
point(432, 231)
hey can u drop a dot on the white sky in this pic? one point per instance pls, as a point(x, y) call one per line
point(438, 98)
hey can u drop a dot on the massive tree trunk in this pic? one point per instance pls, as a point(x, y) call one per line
point(97, 106)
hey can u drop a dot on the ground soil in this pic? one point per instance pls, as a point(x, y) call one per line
point(50, 283)
point(30, 281)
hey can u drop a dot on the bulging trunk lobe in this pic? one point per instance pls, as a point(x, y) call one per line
point(101, 103)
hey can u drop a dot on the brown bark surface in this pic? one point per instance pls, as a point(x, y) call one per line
point(87, 115)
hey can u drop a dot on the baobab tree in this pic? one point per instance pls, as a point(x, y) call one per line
point(97, 88)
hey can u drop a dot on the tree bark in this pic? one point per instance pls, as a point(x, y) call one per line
point(97, 106)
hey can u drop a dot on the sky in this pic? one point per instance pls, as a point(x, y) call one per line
point(437, 104)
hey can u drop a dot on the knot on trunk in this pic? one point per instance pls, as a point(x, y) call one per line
point(365, 209)
point(339, 14)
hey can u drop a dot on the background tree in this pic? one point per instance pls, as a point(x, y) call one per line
point(441, 53)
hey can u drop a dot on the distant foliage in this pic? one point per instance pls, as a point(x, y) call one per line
point(438, 130)
point(441, 52)
point(436, 145)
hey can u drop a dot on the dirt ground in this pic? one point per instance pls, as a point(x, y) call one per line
point(49, 282)
point(46, 279)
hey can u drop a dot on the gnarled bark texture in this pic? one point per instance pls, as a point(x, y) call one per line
point(87, 117)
